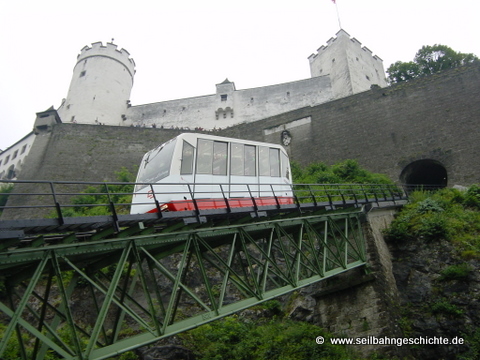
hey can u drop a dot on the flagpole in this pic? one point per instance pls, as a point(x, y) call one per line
point(338, 14)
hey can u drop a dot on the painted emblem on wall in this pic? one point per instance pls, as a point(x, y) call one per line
point(286, 138)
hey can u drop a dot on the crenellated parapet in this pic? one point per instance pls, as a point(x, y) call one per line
point(111, 51)
point(100, 88)
point(343, 35)
point(352, 67)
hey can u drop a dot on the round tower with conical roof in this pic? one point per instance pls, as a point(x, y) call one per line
point(100, 89)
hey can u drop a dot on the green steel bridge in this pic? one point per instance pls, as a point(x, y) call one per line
point(95, 286)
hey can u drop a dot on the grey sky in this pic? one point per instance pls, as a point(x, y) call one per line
point(184, 49)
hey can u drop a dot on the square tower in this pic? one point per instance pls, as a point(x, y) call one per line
point(351, 67)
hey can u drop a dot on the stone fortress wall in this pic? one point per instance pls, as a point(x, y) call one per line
point(103, 76)
point(432, 119)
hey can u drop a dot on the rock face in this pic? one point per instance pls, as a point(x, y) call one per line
point(416, 290)
point(361, 304)
point(439, 297)
point(168, 352)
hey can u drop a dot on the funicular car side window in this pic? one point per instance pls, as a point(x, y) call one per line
point(220, 158)
point(186, 167)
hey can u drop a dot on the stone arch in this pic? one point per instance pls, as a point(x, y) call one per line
point(426, 173)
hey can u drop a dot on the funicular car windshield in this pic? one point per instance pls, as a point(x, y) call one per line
point(156, 164)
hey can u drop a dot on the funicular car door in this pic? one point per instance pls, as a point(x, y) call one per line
point(274, 177)
point(243, 174)
point(270, 179)
point(211, 173)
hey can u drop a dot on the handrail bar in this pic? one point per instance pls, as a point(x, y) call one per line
point(31, 194)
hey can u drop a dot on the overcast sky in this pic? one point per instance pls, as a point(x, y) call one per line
point(183, 48)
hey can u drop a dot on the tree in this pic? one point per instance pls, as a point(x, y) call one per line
point(403, 71)
point(428, 60)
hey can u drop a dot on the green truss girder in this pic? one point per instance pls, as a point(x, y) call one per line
point(146, 287)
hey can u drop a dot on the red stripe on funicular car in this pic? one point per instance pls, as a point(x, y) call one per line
point(208, 204)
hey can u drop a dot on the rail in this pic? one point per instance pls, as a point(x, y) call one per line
point(60, 198)
point(40, 207)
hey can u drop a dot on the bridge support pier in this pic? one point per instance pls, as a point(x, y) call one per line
point(362, 303)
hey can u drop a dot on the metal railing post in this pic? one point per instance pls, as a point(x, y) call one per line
point(275, 196)
point(313, 196)
point(195, 205)
point(157, 204)
point(255, 207)
point(229, 210)
point(297, 202)
point(113, 210)
point(328, 196)
point(58, 207)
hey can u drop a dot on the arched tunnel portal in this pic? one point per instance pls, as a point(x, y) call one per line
point(427, 173)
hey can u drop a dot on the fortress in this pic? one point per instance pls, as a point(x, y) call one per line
point(423, 131)
point(103, 77)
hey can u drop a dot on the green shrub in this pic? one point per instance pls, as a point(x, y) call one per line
point(432, 227)
point(444, 307)
point(5, 190)
point(443, 214)
point(472, 339)
point(472, 197)
point(429, 205)
point(398, 231)
point(95, 199)
point(455, 272)
point(347, 171)
point(234, 339)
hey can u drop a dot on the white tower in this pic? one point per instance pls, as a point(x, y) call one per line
point(100, 89)
point(352, 68)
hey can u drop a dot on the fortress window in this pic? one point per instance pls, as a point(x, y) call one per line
point(368, 78)
point(24, 148)
point(83, 73)
point(223, 97)
point(15, 154)
point(11, 172)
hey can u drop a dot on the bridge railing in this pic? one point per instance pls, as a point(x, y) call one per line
point(60, 199)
